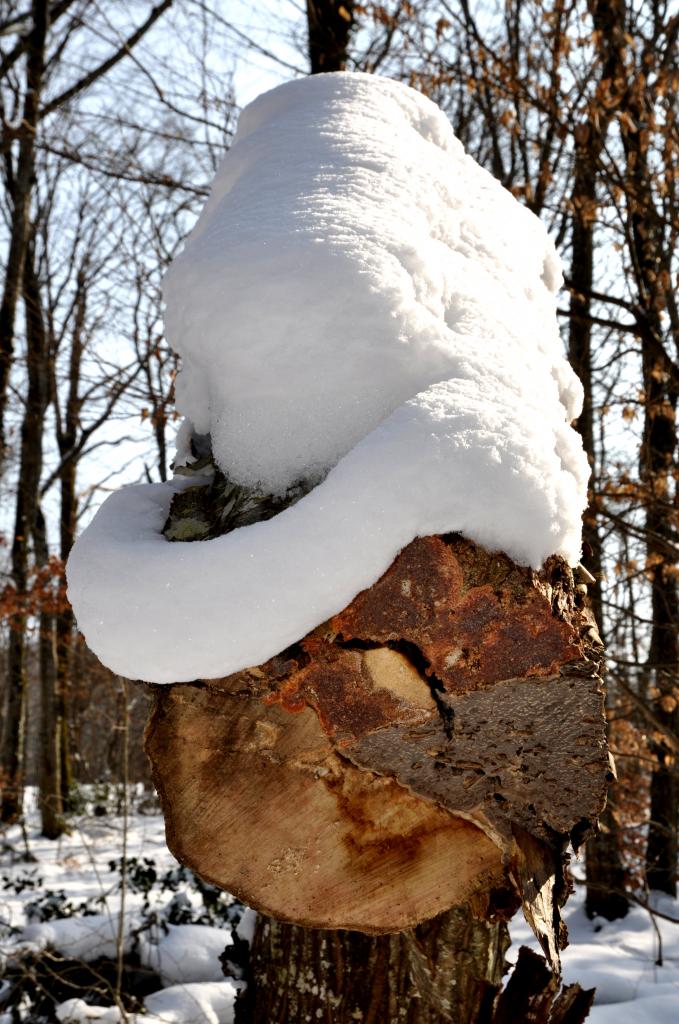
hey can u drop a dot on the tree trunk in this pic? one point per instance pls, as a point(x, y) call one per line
point(605, 874)
point(604, 870)
point(329, 23)
point(403, 759)
point(49, 782)
point(447, 970)
point(27, 501)
point(661, 850)
point(64, 650)
point(67, 436)
point(13, 737)
point(603, 865)
point(20, 188)
point(650, 244)
point(657, 467)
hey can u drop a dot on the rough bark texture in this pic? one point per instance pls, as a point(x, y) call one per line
point(449, 970)
point(443, 736)
point(329, 24)
point(532, 996)
point(605, 871)
point(26, 511)
point(21, 185)
point(49, 778)
point(657, 468)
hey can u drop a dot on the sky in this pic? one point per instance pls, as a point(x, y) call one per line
point(276, 28)
point(268, 49)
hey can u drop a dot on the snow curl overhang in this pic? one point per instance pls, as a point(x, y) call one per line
point(458, 457)
point(360, 302)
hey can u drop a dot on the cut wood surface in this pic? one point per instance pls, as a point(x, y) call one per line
point(441, 737)
point(257, 801)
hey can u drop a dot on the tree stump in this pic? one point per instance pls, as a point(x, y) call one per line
point(440, 742)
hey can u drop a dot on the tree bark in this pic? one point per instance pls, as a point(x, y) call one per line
point(650, 244)
point(604, 870)
point(67, 435)
point(49, 780)
point(26, 511)
point(20, 189)
point(657, 465)
point(603, 865)
point(447, 970)
point(329, 23)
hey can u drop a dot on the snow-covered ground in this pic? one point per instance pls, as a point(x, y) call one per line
point(83, 869)
point(620, 959)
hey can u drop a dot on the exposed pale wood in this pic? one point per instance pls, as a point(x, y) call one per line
point(257, 800)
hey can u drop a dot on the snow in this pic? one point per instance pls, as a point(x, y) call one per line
point(246, 926)
point(80, 938)
point(619, 957)
point(187, 953)
point(187, 1004)
point(178, 953)
point(211, 1003)
point(350, 256)
point(186, 956)
point(362, 307)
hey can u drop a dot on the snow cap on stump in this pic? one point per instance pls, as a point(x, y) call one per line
point(362, 307)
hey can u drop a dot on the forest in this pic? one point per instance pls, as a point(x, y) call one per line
point(114, 119)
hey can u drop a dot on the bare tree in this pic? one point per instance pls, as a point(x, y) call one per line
point(93, 172)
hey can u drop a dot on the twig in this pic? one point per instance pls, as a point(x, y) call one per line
point(29, 857)
point(644, 904)
point(658, 935)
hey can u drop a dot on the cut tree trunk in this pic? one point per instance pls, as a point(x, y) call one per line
point(258, 801)
point(436, 745)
